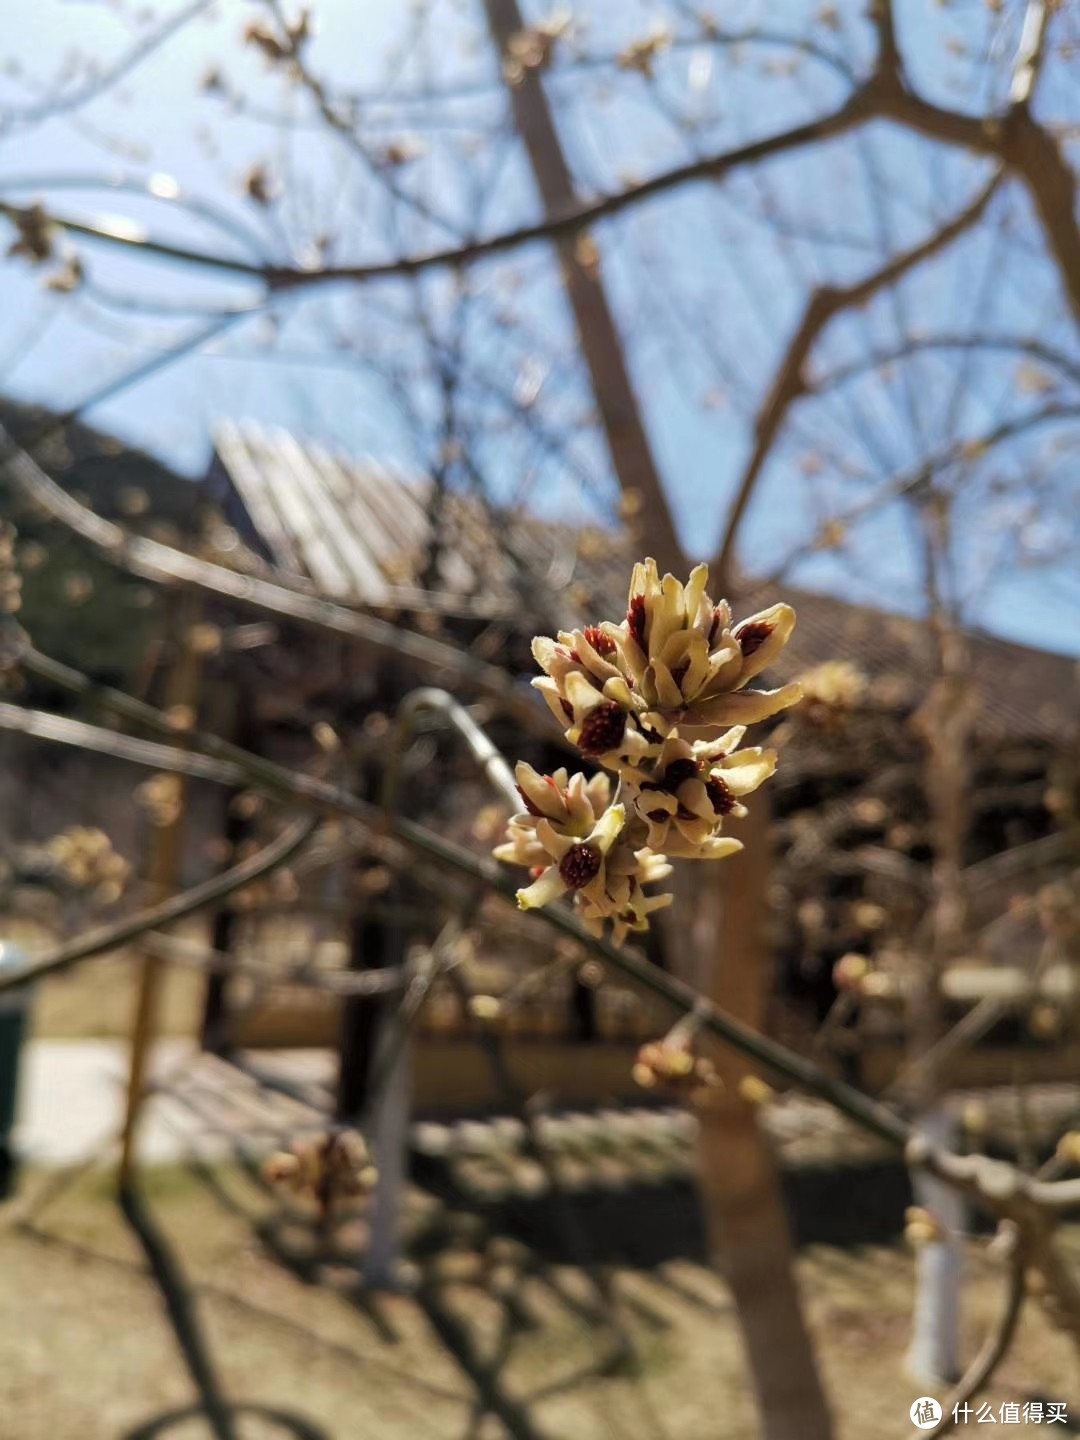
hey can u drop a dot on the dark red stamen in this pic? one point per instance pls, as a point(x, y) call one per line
point(635, 618)
point(600, 642)
point(678, 772)
point(720, 797)
point(753, 635)
point(602, 729)
point(579, 865)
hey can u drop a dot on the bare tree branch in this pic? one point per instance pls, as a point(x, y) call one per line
point(921, 344)
point(110, 937)
point(153, 560)
point(285, 277)
point(790, 381)
point(99, 83)
point(627, 437)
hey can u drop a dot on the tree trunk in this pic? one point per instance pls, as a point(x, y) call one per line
point(945, 722)
point(601, 347)
point(746, 1222)
point(746, 1225)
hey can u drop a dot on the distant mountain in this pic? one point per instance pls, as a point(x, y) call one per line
point(76, 606)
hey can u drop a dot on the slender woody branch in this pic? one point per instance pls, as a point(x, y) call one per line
point(152, 560)
point(791, 382)
point(110, 937)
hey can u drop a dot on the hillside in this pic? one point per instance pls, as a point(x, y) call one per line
point(76, 606)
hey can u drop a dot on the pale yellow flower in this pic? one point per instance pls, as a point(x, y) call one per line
point(571, 804)
point(575, 865)
point(623, 900)
point(620, 692)
point(572, 838)
point(681, 655)
point(590, 698)
point(684, 796)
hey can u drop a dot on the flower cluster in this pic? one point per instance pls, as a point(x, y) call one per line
point(85, 858)
point(670, 1064)
point(10, 579)
point(624, 693)
point(330, 1169)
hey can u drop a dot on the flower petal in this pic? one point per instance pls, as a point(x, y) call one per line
point(746, 769)
point(541, 791)
point(745, 707)
point(779, 621)
point(606, 830)
point(542, 891)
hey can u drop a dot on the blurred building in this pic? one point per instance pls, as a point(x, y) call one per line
point(853, 837)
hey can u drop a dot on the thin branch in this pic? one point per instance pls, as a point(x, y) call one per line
point(101, 81)
point(994, 1348)
point(152, 560)
point(790, 381)
point(162, 189)
point(920, 344)
point(1030, 53)
point(43, 726)
point(854, 111)
point(110, 937)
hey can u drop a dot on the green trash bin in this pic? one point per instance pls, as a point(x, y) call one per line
point(14, 1009)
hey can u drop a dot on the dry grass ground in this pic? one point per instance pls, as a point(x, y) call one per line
point(86, 1352)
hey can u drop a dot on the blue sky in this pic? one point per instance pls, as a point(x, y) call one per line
point(707, 284)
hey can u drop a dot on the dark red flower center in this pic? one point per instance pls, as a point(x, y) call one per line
point(753, 635)
point(602, 729)
point(720, 797)
point(635, 618)
point(600, 642)
point(678, 772)
point(579, 865)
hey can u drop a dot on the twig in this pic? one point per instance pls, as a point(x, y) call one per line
point(994, 1348)
point(791, 381)
point(110, 937)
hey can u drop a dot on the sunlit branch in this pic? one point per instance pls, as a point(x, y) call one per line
point(100, 82)
point(152, 560)
point(160, 188)
point(284, 277)
point(41, 725)
point(791, 382)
